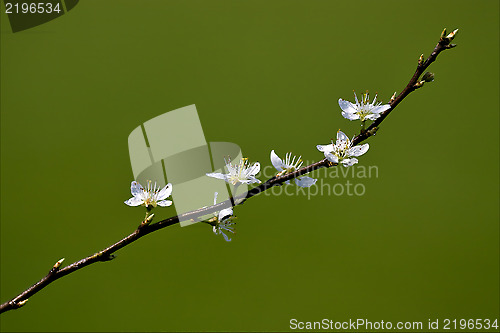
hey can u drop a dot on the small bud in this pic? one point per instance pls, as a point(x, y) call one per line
point(421, 60)
point(428, 77)
point(58, 264)
point(393, 97)
point(443, 34)
point(21, 303)
point(372, 131)
point(146, 221)
point(419, 84)
point(450, 46)
point(452, 34)
point(108, 257)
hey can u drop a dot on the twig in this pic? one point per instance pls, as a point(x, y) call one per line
point(146, 228)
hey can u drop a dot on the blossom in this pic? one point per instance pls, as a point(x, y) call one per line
point(290, 165)
point(223, 221)
point(362, 110)
point(150, 196)
point(242, 172)
point(343, 151)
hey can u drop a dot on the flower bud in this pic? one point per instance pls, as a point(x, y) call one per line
point(58, 264)
point(443, 34)
point(393, 97)
point(21, 303)
point(452, 34)
point(428, 77)
point(421, 60)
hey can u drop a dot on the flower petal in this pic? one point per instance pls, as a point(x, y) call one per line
point(217, 175)
point(347, 106)
point(254, 169)
point(250, 180)
point(165, 192)
point(381, 108)
point(225, 213)
point(332, 158)
point(305, 181)
point(349, 161)
point(350, 116)
point(136, 188)
point(372, 116)
point(164, 203)
point(135, 201)
point(276, 161)
point(358, 150)
point(341, 136)
point(325, 148)
point(215, 197)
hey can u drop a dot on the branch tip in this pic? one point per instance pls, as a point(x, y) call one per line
point(421, 60)
point(452, 34)
point(58, 263)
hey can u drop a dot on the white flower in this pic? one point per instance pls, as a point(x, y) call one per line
point(241, 172)
point(343, 151)
point(224, 221)
point(290, 165)
point(152, 196)
point(362, 110)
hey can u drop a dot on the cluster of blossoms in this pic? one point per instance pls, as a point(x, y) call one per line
point(341, 151)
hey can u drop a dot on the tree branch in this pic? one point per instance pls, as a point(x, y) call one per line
point(144, 229)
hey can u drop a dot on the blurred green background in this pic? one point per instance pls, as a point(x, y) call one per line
point(421, 243)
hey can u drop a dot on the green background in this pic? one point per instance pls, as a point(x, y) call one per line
point(421, 243)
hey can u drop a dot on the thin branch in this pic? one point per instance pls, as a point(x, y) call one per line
point(144, 229)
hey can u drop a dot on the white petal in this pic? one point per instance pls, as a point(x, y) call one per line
point(332, 158)
point(135, 188)
point(165, 192)
point(350, 116)
point(250, 180)
point(217, 175)
point(381, 108)
point(358, 150)
point(341, 136)
point(254, 169)
point(349, 161)
point(347, 106)
point(305, 181)
point(372, 116)
point(215, 197)
point(225, 213)
point(325, 148)
point(135, 201)
point(276, 161)
point(164, 203)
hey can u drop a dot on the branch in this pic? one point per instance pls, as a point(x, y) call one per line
point(145, 228)
point(443, 44)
